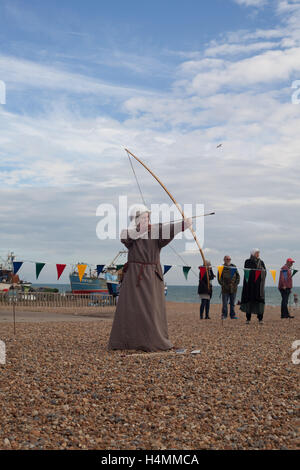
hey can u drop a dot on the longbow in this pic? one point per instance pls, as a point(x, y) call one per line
point(178, 207)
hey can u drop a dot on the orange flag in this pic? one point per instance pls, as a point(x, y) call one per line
point(81, 268)
point(273, 272)
point(220, 270)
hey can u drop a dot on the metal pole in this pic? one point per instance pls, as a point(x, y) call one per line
point(14, 311)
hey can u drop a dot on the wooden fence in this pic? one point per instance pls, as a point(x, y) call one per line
point(51, 299)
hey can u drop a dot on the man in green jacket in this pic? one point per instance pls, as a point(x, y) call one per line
point(229, 280)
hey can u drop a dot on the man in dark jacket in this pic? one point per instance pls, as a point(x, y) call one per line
point(229, 280)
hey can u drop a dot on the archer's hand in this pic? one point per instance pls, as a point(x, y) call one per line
point(188, 223)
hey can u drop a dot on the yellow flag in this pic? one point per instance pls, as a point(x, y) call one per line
point(220, 270)
point(81, 268)
point(273, 272)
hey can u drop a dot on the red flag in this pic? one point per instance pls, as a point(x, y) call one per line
point(60, 269)
point(257, 274)
point(202, 271)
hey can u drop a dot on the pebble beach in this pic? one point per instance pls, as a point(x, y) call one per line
point(61, 389)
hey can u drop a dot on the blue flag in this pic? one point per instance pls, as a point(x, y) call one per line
point(232, 272)
point(100, 268)
point(17, 265)
point(167, 268)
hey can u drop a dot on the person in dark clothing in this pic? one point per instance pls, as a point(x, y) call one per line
point(229, 280)
point(285, 286)
point(205, 289)
point(253, 294)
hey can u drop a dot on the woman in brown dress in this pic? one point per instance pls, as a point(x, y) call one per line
point(140, 320)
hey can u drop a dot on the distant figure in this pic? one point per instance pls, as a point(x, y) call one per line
point(229, 281)
point(140, 320)
point(205, 290)
point(296, 300)
point(285, 286)
point(253, 295)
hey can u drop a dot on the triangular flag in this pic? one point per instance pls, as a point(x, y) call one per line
point(17, 265)
point(257, 274)
point(38, 268)
point(167, 267)
point(247, 274)
point(220, 271)
point(100, 268)
point(119, 266)
point(60, 269)
point(294, 272)
point(202, 271)
point(232, 271)
point(81, 268)
point(186, 270)
point(273, 272)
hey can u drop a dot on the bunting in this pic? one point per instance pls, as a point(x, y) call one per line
point(100, 268)
point(233, 270)
point(202, 272)
point(167, 268)
point(186, 270)
point(257, 274)
point(247, 274)
point(220, 271)
point(60, 269)
point(81, 269)
point(17, 265)
point(273, 272)
point(38, 268)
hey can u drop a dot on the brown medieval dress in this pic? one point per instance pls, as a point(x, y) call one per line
point(140, 320)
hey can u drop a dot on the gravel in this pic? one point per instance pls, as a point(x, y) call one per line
point(61, 389)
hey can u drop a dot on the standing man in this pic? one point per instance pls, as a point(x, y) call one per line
point(229, 281)
point(285, 286)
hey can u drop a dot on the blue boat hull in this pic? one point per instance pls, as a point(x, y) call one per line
point(87, 285)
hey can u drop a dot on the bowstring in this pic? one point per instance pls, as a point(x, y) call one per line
point(142, 197)
point(136, 179)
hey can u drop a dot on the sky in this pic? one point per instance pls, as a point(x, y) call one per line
point(170, 81)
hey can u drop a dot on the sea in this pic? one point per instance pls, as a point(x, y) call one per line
point(189, 293)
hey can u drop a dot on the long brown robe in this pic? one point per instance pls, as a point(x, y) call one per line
point(140, 320)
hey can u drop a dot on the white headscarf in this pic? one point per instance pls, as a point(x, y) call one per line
point(255, 250)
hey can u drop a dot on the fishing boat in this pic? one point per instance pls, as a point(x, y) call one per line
point(113, 272)
point(8, 279)
point(89, 284)
point(106, 283)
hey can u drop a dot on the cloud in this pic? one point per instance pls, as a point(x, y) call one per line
point(23, 74)
point(59, 162)
point(252, 3)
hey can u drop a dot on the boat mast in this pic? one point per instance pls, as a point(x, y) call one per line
point(122, 252)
